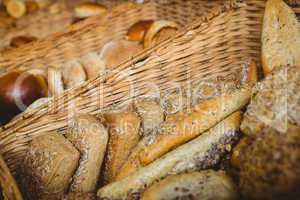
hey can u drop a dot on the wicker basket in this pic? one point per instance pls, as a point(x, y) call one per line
point(92, 34)
point(216, 45)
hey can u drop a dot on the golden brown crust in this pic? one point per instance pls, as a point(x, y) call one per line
point(90, 137)
point(203, 152)
point(89, 9)
point(93, 65)
point(123, 136)
point(195, 185)
point(117, 52)
point(137, 31)
point(50, 163)
point(73, 74)
point(159, 31)
point(204, 115)
point(280, 36)
point(15, 8)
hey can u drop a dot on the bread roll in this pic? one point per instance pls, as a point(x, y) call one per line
point(21, 40)
point(90, 137)
point(203, 152)
point(90, 9)
point(137, 31)
point(151, 114)
point(49, 165)
point(73, 74)
point(123, 136)
point(280, 36)
point(204, 115)
point(159, 31)
point(55, 82)
point(117, 52)
point(93, 65)
point(15, 8)
point(204, 185)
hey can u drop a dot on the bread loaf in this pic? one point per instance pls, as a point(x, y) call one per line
point(280, 36)
point(49, 165)
point(204, 185)
point(90, 137)
point(204, 115)
point(203, 152)
point(123, 136)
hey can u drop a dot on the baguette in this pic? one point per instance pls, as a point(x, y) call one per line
point(49, 165)
point(90, 137)
point(204, 115)
point(196, 185)
point(151, 114)
point(93, 65)
point(280, 36)
point(73, 74)
point(203, 152)
point(123, 136)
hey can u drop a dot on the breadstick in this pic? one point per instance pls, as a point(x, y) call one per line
point(123, 136)
point(203, 152)
point(55, 82)
point(90, 137)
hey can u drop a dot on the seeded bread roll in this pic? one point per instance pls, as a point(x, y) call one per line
point(117, 52)
point(203, 152)
point(93, 65)
point(204, 185)
point(49, 165)
point(123, 136)
point(151, 114)
point(280, 36)
point(73, 74)
point(55, 81)
point(90, 9)
point(90, 137)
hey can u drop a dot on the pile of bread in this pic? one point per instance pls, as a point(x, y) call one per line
point(171, 146)
point(143, 34)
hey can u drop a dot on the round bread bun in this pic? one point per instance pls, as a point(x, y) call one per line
point(203, 185)
point(159, 31)
point(89, 9)
point(15, 8)
point(117, 52)
point(137, 31)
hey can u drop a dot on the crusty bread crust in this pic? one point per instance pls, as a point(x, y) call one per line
point(203, 152)
point(89, 9)
point(123, 136)
point(280, 37)
point(195, 185)
point(90, 137)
